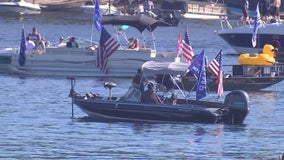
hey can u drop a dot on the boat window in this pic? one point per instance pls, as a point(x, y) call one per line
point(254, 71)
point(133, 94)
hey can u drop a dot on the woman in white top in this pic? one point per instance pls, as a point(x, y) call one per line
point(40, 45)
point(61, 42)
point(30, 45)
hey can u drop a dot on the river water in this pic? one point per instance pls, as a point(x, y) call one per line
point(36, 112)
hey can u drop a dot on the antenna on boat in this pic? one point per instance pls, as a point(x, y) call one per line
point(93, 23)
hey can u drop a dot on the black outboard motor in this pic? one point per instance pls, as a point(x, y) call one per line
point(237, 103)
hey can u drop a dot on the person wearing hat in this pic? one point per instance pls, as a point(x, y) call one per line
point(61, 42)
point(149, 97)
point(72, 43)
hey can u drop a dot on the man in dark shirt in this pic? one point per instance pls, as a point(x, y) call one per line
point(265, 10)
point(72, 43)
point(149, 97)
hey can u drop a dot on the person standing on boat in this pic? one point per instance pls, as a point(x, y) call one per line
point(148, 6)
point(149, 97)
point(245, 9)
point(276, 9)
point(30, 45)
point(34, 34)
point(138, 80)
point(72, 43)
point(265, 10)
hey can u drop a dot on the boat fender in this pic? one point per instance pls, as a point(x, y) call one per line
point(227, 75)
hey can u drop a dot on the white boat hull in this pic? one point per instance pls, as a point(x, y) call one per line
point(201, 16)
point(55, 63)
point(21, 7)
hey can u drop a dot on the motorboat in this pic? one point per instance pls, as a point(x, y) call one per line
point(81, 62)
point(129, 108)
point(173, 107)
point(204, 10)
point(239, 38)
point(19, 6)
point(106, 9)
point(78, 62)
point(243, 77)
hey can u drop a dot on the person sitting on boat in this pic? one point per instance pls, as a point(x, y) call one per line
point(40, 44)
point(72, 43)
point(138, 80)
point(149, 97)
point(61, 43)
point(30, 45)
point(133, 43)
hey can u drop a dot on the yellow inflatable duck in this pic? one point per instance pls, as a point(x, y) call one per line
point(266, 58)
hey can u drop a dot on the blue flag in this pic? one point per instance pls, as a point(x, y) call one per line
point(196, 64)
point(22, 57)
point(257, 24)
point(98, 15)
point(198, 69)
point(201, 83)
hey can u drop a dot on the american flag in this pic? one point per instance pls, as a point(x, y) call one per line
point(108, 46)
point(98, 15)
point(216, 68)
point(22, 57)
point(186, 48)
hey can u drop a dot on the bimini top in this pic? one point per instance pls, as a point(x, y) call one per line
point(173, 68)
point(141, 22)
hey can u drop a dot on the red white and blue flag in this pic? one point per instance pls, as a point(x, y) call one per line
point(22, 57)
point(107, 47)
point(198, 69)
point(257, 24)
point(216, 68)
point(186, 48)
point(98, 16)
point(179, 45)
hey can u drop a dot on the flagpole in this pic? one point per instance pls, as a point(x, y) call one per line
point(93, 22)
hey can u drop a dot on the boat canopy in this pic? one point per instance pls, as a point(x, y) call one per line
point(141, 22)
point(173, 68)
